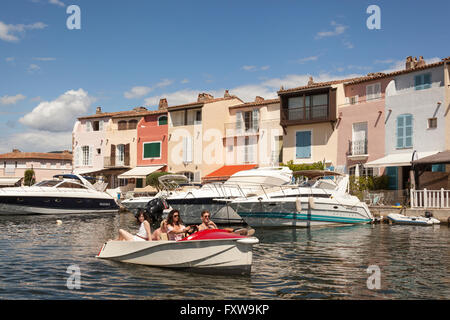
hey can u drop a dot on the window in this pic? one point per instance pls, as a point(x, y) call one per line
point(96, 126)
point(122, 125)
point(373, 91)
point(120, 155)
point(404, 131)
point(303, 144)
point(422, 81)
point(198, 117)
point(432, 123)
point(99, 151)
point(162, 120)
point(359, 138)
point(352, 100)
point(85, 155)
point(362, 171)
point(308, 107)
point(88, 126)
point(132, 124)
point(249, 149)
point(71, 185)
point(152, 150)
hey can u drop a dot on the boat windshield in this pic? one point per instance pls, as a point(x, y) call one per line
point(71, 185)
point(47, 183)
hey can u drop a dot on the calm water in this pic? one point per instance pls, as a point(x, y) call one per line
point(325, 263)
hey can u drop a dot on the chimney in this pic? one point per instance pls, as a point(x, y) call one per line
point(99, 110)
point(16, 151)
point(227, 94)
point(409, 63)
point(163, 104)
point(140, 109)
point(421, 62)
point(204, 97)
point(310, 81)
point(259, 99)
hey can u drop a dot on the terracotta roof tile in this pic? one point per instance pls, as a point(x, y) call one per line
point(201, 103)
point(123, 114)
point(37, 155)
point(256, 103)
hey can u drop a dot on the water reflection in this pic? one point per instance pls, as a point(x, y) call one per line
point(322, 263)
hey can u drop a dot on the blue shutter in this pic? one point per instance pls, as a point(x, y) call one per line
point(404, 131)
point(303, 144)
point(418, 82)
point(427, 81)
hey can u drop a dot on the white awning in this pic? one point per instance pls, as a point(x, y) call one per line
point(398, 159)
point(139, 172)
point(9, 181)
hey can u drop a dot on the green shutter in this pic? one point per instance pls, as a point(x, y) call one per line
point(162, 120)
point(152, 150)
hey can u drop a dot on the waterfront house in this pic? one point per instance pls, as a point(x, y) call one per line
point(196, 135)
point(152, 136)
point(360, 125)
point(415, 119)
point(308, 116)
point(45, 165)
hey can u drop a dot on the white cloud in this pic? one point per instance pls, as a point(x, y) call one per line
point(45, 59)
point(10, 59)
point(9, 32)
point(185, 81)
point(307, 59)
point(33, 68)
point(140, 91)
point(267, 89)
point(254, 68)
point(60, 114)
point(338, 29)
point(57, 2)
point(7, 100)
point(37, 141)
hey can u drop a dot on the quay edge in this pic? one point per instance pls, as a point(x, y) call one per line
point(443, 215)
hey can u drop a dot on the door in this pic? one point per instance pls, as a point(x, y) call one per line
point(392, 173)
point(359, 138)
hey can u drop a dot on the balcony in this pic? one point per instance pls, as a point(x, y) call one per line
point(235, 129)
point(357, 150)
point(115, 162)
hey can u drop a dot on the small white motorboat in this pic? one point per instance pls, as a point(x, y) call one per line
point(216, 250)
point(412, 220)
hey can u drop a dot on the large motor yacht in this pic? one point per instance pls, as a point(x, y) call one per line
point(64, 194)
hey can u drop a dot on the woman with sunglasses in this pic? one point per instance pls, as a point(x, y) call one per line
point(175, 227)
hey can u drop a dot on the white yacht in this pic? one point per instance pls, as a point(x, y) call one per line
point(191, 200)
point(321, 200)
point(64, 194)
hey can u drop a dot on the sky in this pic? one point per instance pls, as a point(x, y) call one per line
point(132, 53)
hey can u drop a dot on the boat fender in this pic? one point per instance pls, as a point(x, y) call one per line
point(298, 204)
point(311, 203)
point(58, 222)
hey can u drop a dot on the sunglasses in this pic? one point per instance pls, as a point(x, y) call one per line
point(206, 216)
point(175, 215)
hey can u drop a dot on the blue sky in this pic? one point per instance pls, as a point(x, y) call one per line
point(132, 53)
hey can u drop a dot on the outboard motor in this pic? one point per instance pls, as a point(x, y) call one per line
point(155, 208)
point(428, 214)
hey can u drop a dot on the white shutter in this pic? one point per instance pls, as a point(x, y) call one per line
point(100, 125)
point(369, 92)
point(88, 126)
point(255, 120)
point(189, 149)
point(239, 122)
point(377, 90)
point(77, 156)
point(91, 153)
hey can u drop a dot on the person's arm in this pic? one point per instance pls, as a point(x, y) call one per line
point(212, 224)
point(148, 229)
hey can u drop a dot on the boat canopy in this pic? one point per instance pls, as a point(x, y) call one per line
point(66, 176)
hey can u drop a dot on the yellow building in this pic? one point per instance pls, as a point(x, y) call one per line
point(196, 132)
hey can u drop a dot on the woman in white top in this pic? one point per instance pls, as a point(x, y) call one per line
point(175, 227)
point(144, 233)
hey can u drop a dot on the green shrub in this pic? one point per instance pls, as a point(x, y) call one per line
point(299, 167)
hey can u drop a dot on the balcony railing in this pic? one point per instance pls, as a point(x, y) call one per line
point(357, 147)
point(233, 129)
point(306, 113)
point(110, 162)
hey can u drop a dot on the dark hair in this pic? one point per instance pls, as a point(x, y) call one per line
point(170, 217)
point(146, 216)
point(205, 211)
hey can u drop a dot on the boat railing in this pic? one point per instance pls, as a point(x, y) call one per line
point(36, 188)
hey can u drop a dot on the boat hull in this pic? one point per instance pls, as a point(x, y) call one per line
point(410, 220)
point(286, 214)
point(27, 205)
point(230, 256)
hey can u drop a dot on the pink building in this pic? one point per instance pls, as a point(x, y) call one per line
point(45, 165)
point(361, 124)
